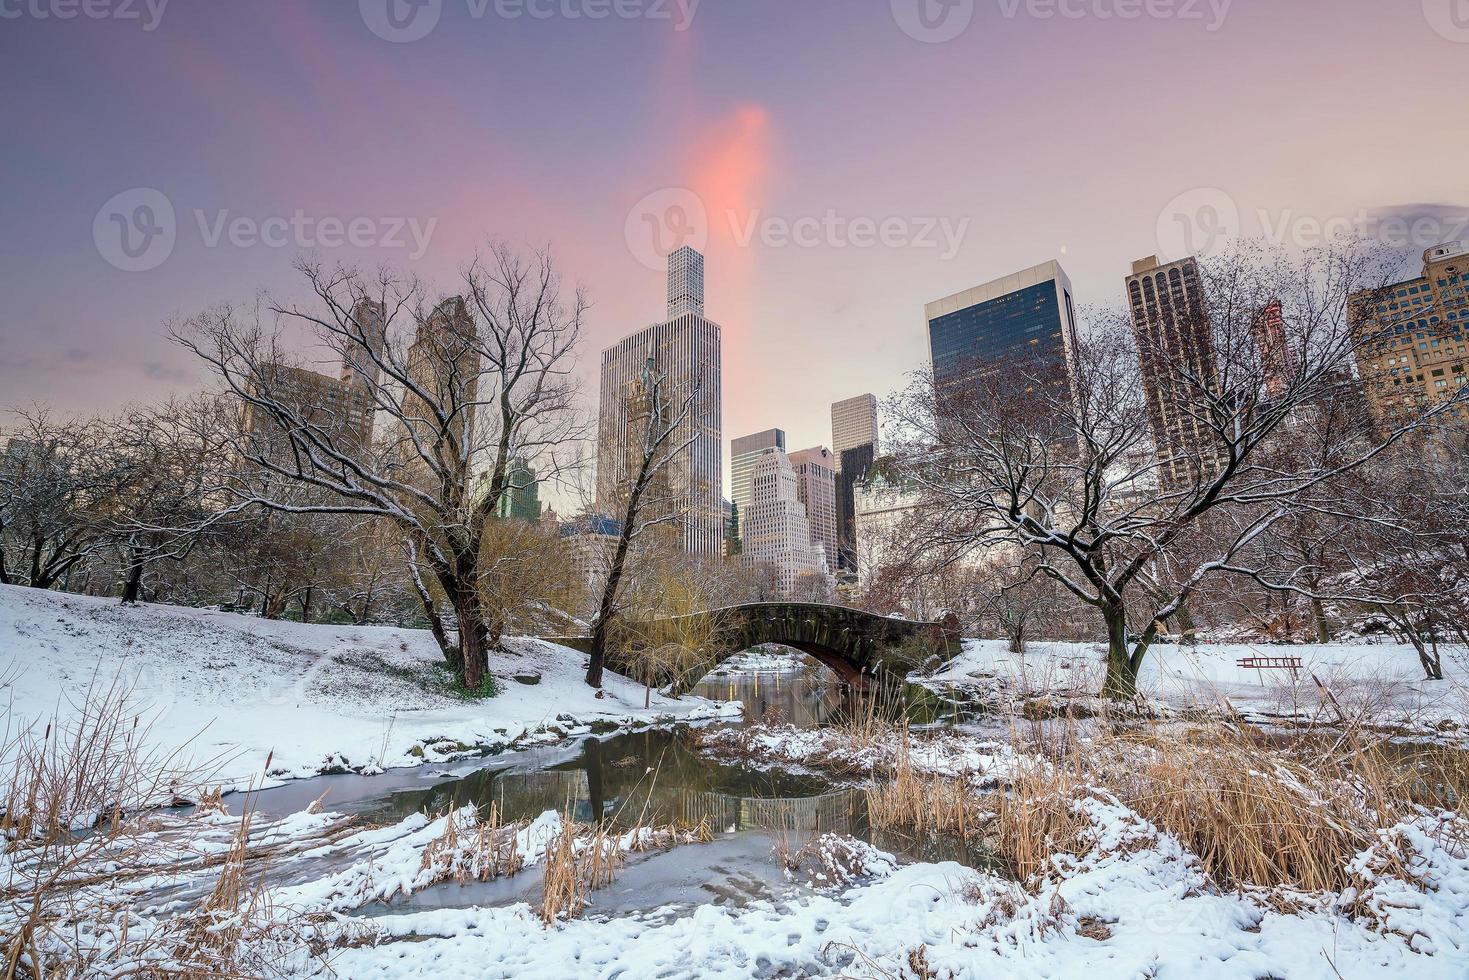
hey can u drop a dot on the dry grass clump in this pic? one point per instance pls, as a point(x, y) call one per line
point(1254, 813)
point(924, 804)
point(74, 822)
point(1036, 818)
point(490, 850)
point(80, 771)
point(573, 872)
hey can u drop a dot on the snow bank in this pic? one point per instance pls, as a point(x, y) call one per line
point(313, 698)
point(1381, 681)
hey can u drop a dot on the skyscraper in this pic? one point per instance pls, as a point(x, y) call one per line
point(342, 409)
point(1020, 329)
point(816, 488)
point(445, 361)
point(1415, 338)
point(685, 349)
point(856, 464)
point(685, 283)
point(743, 452)
point(854, 446)
point(521, 500)
point(853, 423)
point(1175, 351)
point(370, 318)
point(774, 530)
point(1277, 362)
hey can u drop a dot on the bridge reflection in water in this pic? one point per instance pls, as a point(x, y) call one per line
point(830, 813)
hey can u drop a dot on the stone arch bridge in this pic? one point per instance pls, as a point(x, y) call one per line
point(858, 645)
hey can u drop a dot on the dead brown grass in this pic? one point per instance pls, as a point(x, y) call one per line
point(1255, 812)
point(573, 872)
point(923, 804)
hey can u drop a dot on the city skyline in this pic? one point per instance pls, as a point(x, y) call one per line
point(706, 118)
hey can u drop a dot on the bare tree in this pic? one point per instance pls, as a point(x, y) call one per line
point(57, 486)
point(169, 460)
point(1068, 471)
point(1021, 599)
point(484, 377)
point(649, 507)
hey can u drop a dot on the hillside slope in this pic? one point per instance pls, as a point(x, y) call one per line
point(320, 698)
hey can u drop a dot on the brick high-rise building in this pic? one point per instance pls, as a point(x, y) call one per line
point(341, 408)
point(1414, 338)
point(685, 349)
point(1174, 343)
point(369, 317)
point(1277, 361)
point(444, 362)
point(816, 488)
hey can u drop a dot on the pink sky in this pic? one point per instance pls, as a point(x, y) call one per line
point(1038, 136)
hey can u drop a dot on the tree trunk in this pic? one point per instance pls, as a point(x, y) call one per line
point(1318, 612)
point(1017, 638)
point(1187, 631)
point(601, 626)
point(133, 584)
point(474, 654)
point(435, 621)
point(1121, 680)
point(306, 604)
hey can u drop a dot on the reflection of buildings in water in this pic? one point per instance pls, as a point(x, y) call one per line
point(829, 813)
point(806, 699)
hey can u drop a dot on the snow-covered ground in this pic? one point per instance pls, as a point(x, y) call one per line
point(1131, 901)
point(1381, 682)
point(312, 698)
point(1135, 904)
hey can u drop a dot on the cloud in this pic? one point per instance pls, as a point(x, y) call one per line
point(158, 371)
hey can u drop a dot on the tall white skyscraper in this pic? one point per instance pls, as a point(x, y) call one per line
point(686, 349)
point(776, 531)
point(743, 453)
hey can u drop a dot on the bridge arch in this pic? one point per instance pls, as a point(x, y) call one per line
point(858, 645)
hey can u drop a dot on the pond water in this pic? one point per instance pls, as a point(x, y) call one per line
point(656, 777)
